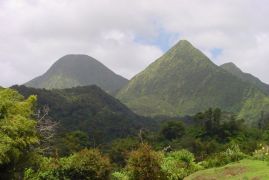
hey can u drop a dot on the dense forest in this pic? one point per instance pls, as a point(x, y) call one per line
point(34, 145)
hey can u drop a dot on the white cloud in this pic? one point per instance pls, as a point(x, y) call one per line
point(35, 33)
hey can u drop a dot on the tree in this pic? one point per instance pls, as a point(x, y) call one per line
point(18, 134)
point(120, 149)
point(89, 164)
point(46, 128)
point(173, 130)
point(145, 163)
point(72, 142)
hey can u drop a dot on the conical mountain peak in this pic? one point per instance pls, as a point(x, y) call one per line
point(76, 58)
point(78, 70)
point(183, 44)
point(185, 52)
point(183, 81)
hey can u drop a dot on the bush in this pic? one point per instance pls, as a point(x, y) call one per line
point(179, 164)
point(262, 153)
point(121, 175)
point(49, 169)
point(145, 163)
point(232, 154)
point(86, 164)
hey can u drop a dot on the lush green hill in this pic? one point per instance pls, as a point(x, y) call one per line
point(185, 81)
point(233, 69)
point(89, 109)
point(245, 169)
point(78, 70)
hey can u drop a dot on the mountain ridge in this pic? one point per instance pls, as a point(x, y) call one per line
point(247, 77)
point(88, 109)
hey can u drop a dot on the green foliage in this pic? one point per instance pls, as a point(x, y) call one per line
point(120, 176)
point(72, 142)
point(173, 130)
point(120, 148)
point(145, 163)
point(231, 154)
point(262, 153)
point(179, 164)
point(49, 169)
point(86, 164)
point(17, 132)
point(214, 125)
point(89, 164)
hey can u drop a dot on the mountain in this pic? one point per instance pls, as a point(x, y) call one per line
point(88, 109)
point(78, 70)
point(233, 69)
point(184, 81)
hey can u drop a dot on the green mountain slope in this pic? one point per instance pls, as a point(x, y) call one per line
point(78, 70)
point(89, 109)
point(233, 69)
point(184, 81)
point(253, 108)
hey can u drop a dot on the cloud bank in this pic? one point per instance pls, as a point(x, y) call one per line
point(128, 35)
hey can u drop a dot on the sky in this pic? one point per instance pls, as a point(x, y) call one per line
point(127, 36)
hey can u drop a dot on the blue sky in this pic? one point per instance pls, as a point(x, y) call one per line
point(163, 39)
point(216, 52)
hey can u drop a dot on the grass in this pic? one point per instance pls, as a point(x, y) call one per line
point(245, 169)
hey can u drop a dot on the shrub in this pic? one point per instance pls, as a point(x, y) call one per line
point(86, 164)
point(262, 153)
point(231, 154)
point(145, 163)
point(49, 169)
point(179, 164)
point(89, 164)
point(123, 175)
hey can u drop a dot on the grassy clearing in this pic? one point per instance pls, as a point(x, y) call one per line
point(245, 170)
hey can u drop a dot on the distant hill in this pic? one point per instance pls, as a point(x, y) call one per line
point(184, 81)
point(89, 109)
point(233, 69)
point(78, 70)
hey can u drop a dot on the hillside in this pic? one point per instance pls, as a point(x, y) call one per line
point(233, 69)
point(78, 70)
point(89, 109)
point(184, 81)
point(245, 169)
